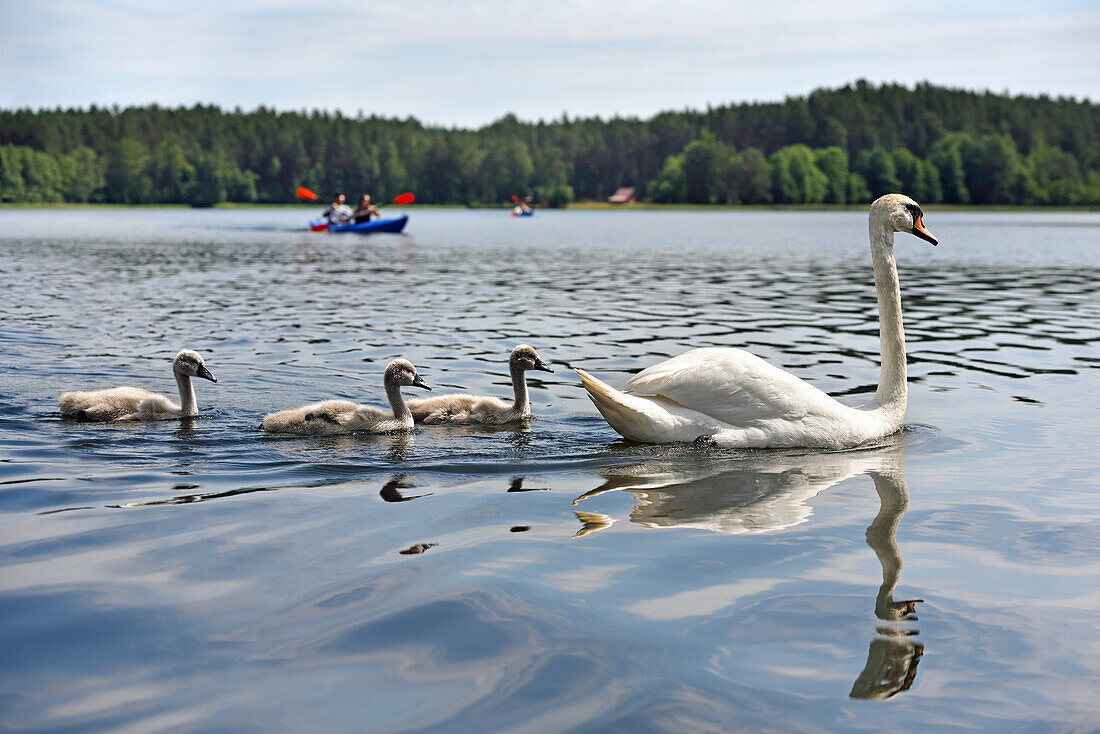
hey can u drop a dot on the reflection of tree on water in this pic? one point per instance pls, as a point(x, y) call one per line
point(767, 492)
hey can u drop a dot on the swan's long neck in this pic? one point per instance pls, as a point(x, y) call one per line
point(519, 385)
point(187, 393)
point(397, 400)
point(892, 384)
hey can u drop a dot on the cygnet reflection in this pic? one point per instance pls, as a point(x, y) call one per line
point(769, 492)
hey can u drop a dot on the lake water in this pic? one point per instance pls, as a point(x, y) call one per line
point(198, 575)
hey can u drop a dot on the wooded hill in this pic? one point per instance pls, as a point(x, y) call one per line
point(841, 145)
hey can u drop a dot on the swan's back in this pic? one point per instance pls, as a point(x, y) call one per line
point(331, 417)
point(114, 404)
point(463, 408)
point(316, 419)
point(733, 386)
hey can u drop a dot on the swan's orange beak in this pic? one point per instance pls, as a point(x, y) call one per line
point(924, 234)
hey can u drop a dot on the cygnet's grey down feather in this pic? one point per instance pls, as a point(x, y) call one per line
point(134, 403)
point(343, 416)
point(466, 409)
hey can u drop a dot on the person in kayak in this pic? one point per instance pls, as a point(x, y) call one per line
point(338, 211)
point(365, 210)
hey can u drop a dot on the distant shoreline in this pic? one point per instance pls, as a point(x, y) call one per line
point(583, 206)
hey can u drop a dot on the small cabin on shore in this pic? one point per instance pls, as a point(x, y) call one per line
point(624, 195)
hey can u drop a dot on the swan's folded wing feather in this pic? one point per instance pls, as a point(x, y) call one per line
point(730, 385)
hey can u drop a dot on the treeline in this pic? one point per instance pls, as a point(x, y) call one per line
point(843, 145)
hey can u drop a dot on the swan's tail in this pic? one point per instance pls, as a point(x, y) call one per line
point(633, 417)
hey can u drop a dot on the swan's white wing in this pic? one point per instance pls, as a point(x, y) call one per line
point(732, 386)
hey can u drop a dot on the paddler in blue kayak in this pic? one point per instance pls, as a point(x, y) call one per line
point(365, 210)
point(338, 211)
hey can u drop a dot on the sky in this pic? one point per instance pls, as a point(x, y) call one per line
point(465, 63)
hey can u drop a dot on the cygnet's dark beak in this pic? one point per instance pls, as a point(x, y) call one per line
point(419, 382)
point(924, 234)
point(205, 374)
point(540, 365)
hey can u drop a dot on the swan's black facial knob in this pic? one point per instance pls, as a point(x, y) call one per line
point(918, 224)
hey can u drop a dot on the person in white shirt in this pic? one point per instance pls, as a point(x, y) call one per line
point(338, 212)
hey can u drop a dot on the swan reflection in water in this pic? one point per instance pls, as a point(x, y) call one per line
point(767, 492)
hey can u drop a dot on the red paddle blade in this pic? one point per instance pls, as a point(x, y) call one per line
point(305, 194)
point(405, 198)
point(514, 198)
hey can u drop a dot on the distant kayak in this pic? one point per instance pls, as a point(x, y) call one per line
point(375, 225)
point(526, 213)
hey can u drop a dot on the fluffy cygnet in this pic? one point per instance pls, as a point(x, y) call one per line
point(463, 408)
point(135, 404)
point(343, 416)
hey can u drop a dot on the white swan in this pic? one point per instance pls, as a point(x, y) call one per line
point(133, 403)
point(734, 399)
point(462, 408)
point(343, 416)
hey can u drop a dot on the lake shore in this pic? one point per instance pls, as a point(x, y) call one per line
point(576, 206)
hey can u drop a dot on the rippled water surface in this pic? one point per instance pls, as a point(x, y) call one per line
point(198, 575)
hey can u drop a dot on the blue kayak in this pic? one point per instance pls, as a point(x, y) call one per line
point(375, 225)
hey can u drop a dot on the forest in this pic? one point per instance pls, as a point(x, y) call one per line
point(844, 145)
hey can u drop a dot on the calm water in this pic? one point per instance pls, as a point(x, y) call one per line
point(197, 575)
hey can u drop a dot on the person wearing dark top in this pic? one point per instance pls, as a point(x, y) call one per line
point(365, 210)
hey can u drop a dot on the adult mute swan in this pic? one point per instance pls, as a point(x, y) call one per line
point(135, 404)
point(734, 399)
point(461, 408)
point(343, 416)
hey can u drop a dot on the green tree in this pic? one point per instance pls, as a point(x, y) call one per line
point(171, 172)
point(82, 174)
point(12, 187)
point(994, 172)
point(240, 186)
point(750, 178)
point(702, 160)
point(42, 177)
point(506, 171)
point(857, 188)
point(671, 186)
point(947, 159)
point(1056, 174)
point(126, 177)
point(795, 177)
point(833, 162)
point(207, 188)
point(878, 170)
